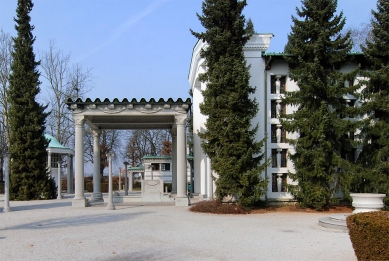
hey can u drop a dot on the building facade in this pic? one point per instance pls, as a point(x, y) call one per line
point(269, 74)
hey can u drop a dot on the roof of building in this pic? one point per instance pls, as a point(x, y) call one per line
point(133, 101)
point(55, 146)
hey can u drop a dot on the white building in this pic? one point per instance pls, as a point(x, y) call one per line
point(269, 74)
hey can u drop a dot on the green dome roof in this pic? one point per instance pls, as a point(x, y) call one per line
point(54, 143)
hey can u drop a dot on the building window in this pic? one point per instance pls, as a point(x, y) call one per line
point(155, 166)
point(55, 157)
point(278, 183)
point(273, 85)
point(274, 158)
point(284, 152)
point(165, 166)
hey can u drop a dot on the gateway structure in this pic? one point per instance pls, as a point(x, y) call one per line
point(269, 74)
point(122, 115)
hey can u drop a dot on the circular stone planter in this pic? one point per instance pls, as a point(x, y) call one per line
point(366, 202)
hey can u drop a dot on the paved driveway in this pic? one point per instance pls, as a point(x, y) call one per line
point(53, 230)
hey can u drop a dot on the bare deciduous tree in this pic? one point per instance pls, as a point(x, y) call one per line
point(65, 81)
point(147, 142)
point(110, 141)
point(359, 35)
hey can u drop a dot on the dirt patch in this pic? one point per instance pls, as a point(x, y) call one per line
point(294, 208)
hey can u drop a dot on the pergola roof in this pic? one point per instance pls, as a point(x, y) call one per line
point(129, 114)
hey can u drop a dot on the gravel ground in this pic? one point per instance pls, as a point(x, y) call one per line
point(53, 230)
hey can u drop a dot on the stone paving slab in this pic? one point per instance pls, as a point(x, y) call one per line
point(53, 230)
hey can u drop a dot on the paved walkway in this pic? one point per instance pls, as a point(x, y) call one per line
point(53, 230)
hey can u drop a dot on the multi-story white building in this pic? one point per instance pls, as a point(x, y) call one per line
point(269, 74)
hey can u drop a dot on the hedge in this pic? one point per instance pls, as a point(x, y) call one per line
point(369, 234)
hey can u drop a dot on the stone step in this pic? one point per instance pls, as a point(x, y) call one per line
point(337, 221)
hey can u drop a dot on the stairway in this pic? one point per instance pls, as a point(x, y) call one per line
point(336, 221)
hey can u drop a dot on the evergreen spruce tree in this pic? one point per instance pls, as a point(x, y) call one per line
point(315, 51)
point(229, 139)
point(374, 156)
point(29, 173)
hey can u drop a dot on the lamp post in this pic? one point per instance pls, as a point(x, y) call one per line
point(110, 205)
point(6, 208)
point(125, 178)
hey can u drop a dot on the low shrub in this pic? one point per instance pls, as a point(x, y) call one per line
point(217, 207)
point(369, 234)
point(103, 186)
point(89, 186)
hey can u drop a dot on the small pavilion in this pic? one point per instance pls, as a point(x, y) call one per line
point(55, 154)
point(129, 114)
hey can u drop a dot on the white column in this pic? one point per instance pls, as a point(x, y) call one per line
point(131, 182)
point(174, 161)
point(279, 182)
point(96, 196)
point(279, 158)
point(278, 108)
point(79, 199)
point(59, 181)
point(110, 205)
point(278, 84)
point(278, 133)
point(49, 161)
point(69, 178)
point(6, 208)
point(209, 179)
point(181, 198)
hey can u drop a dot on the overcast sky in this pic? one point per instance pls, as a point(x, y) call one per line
point(142, 48)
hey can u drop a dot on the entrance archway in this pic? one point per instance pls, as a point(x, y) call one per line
point(126, 115)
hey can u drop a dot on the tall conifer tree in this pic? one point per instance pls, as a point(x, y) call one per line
point(29, 173)
point(229, 139)
point(374, 108)
point(315, 51)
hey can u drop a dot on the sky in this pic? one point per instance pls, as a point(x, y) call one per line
point(142, 48)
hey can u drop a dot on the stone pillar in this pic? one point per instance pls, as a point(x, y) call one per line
point(279, 158)
point(278, 133)
point(174, 161)
point(131, 182)
point(79, 199)
point(49, 161)
point(209, 179)
point(181, 198)
point(6, 208)
point(278, 108)
point(279, 182)
point(125, 178)
point(69, 176)
point(278, 84)
point(59, 181)
point(110, 205)
point(97, 195)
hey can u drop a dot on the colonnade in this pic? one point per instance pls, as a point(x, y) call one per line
point(179, 182)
